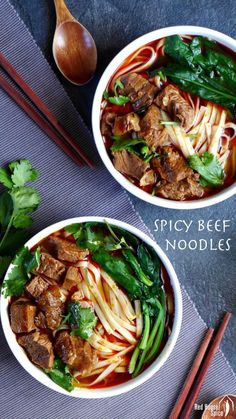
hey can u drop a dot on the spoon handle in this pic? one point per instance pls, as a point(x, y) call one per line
point(62, 12)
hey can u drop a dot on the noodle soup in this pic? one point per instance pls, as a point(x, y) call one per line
point(168, 118)
point(96, 308)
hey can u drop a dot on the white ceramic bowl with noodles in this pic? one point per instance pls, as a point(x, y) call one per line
point(111, 69)
point(39, 375)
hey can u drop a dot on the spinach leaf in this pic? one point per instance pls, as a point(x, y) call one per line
point(132, 260)
point(24, 263)
point(82, 319)
point(200, 84)
point(202, 69)
point(149, 262)
point(61, 375)
point(208, 167)
point(117, 267)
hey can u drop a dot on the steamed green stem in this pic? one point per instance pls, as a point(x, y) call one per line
point(150, 340)
point(7, 230)
point(133, 360)
point(157, 342)
point(146, 330)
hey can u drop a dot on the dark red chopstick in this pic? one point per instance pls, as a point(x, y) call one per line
point(45, 111)
point(192, 375)
point(194, 392)
point(36, 117)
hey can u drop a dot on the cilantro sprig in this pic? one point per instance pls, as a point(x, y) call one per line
point(209, 168)
point(82, 320)
point(117, 99)
point(23, 265)
point(17, 203)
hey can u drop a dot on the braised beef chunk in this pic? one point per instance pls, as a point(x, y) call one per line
point(139, 90)
point(129, 164)
point(171, 165)
point(107, 123)
point(39, 349)
point(22, 314)
point(75, 352)
point(185, 189)
point(149, 178)
point(126, 123)
point(40, 321)
point(151, 130)
point(171, 101)
point(52, 302)
point(72, 278)
point(51, 267)
point(66, 251)
point(36, 286)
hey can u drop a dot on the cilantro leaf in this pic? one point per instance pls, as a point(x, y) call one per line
point(4, 263)
point(6, 208)
point(82, 319)
point(74, 229)
point(209, 169)
point(61, 375)
point(25, 197)
point(23, 172)
point(23, 264)
point(5, 178)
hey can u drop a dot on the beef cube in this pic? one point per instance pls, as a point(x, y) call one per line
point(52, 302)
point(66, 250)
point(126, 123)
point(185, 189)
point(51, 267)
point(75, 352)
point(152, 131)
point(107, 123)
point(129, 164)
point(40, 321)
point(39, 349)
point(36, 286)
point(171, 101)
point(149, 178)
point(72, 278)
point(22, 313)
point(171, 166)
point(139, 90)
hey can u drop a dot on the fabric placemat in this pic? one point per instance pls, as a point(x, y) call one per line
point(68, 191)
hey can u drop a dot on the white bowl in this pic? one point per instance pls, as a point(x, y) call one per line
point(110, 70)
point(122, 388)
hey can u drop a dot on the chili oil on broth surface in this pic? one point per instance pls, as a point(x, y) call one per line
point(97, 309)
point(167, 118)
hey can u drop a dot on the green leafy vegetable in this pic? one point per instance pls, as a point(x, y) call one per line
point(137, 146)
point(23, 264)
point(120, 271)
point(82, 319)
point(208, 167)
point(117, 99)
point(61, 375)
point(131, 259)
point(17, 204)
point(202, 69)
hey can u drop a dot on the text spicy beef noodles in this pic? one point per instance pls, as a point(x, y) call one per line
point(168, 118)
point(96, 309)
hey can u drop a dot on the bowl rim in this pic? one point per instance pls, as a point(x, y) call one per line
point(109, 71)
point(40, 376)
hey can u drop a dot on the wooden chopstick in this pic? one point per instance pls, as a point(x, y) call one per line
point(38, 119)
point(194, 392)
point(191, 375)
point(42, 107)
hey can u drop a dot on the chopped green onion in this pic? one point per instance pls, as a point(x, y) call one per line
point(169, 123)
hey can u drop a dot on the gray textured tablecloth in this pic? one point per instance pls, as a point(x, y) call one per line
point(69, 191)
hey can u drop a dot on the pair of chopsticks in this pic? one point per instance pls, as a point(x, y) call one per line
point(38, 111)
point(197, 374)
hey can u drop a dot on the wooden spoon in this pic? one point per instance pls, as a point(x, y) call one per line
point(74, 49)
